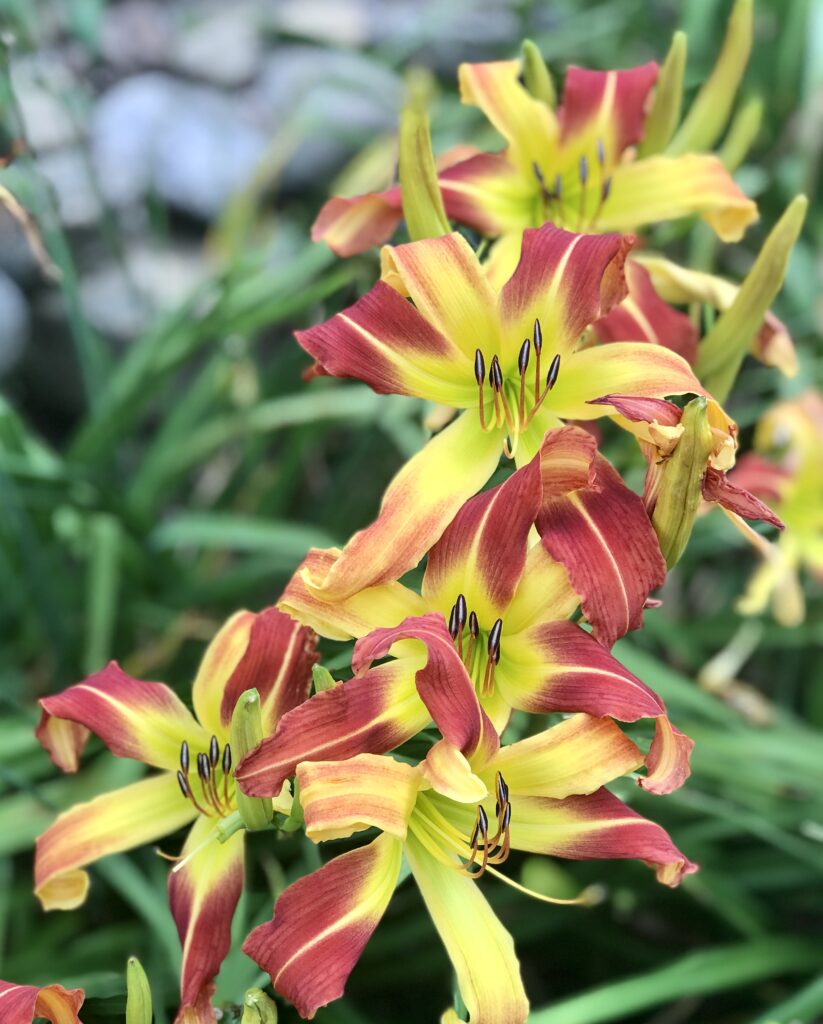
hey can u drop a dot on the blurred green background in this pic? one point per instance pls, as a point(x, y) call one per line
point(162, 463)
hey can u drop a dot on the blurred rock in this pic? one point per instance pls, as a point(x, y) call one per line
point(121, 302)
point(137, 34)
point(191, 144)
point(44, 87)
point(69, 174)
point(222, 46)
point(15, 324)
point(330, 102)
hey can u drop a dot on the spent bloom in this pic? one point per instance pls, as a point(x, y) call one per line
point(195, 786)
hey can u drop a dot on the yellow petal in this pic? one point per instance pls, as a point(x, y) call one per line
point(479, 947)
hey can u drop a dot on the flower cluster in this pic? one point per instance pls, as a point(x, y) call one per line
point(557, 319)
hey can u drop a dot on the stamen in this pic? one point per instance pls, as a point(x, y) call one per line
point(480, 376)
point(186, 790)
point(474, 632)
point(494, 638)
point(584, 177)
point(214, 752)
point(184, 757)
point(453, 622)
point(461, 611)
point(226, 772)
point(522, 366)
point(502, 790)
point(493, 658)
point(601, 153)
point(538, 348)
point(554, 370)
point(204, 771)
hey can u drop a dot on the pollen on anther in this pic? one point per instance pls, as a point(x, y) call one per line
point(184, 757)
point(523, 357)
point(584, 170)
point(214, 752)
point(601, 152)
point(474, 625)
point(226, 759)
point(538, 337)
point(184, 786)
point(461, 610)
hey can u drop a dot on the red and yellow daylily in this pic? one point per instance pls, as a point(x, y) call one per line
point(509, 360)
point(491, 620)
point(21, 1004)
point(576, 166)
point(790, 479)
point(455, 819)
point(146, 721)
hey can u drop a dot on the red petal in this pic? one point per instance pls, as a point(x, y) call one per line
point(644, 316)
point(351, 226)
point(385, 342)
point(717, 488)
point(640, 410)
point(374, 712)
point(617, 99)
point(443, 683)
point(482, 553)
point(278, 663)
point(203, 896)
point(322, 923)
point(602, 535)
point(20, 1004)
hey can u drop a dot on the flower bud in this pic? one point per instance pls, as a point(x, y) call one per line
point(422, 201)
point(322, 679)
point(246, 734)
point(536, 75)
point(680, 487)
point(258, 1008)
point(138, 994)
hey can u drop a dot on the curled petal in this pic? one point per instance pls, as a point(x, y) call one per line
point(367, 791)
point(667, 762)
point(322, 923)
point(352, 225)
point(482, 554)
point(567, 281)
point(479, 947)
point(387, 343)
point(594, 827)
point(374, 712)
point(603, 537)
point(269, 652)
point(116, 821)
point(662, 188)
point(644, 316)
point(20, 1004)
point(351, 617)
point(606, 105)
point(716, 487)
point(203, 895)
point(417, 507)
point(442, 682)
point(145, 721)
point(448, 772)
point(578, 755)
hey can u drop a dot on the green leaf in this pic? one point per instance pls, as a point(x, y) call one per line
point(709, 113)
point(226, 531)
point(710, 970)
point(724, 347)
point(744, 130)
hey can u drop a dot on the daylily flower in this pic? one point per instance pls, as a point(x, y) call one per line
point(455, 819)
point(149, 723)
point(511, 358)
point(21, 1004)
point(793, 432)
point(493, 616)
point(576, 167)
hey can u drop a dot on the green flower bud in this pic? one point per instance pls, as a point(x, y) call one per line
point(138, 994)
point(246, 734)
point(258, 1008)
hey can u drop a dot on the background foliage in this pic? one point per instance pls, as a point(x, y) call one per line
point(152, 480)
